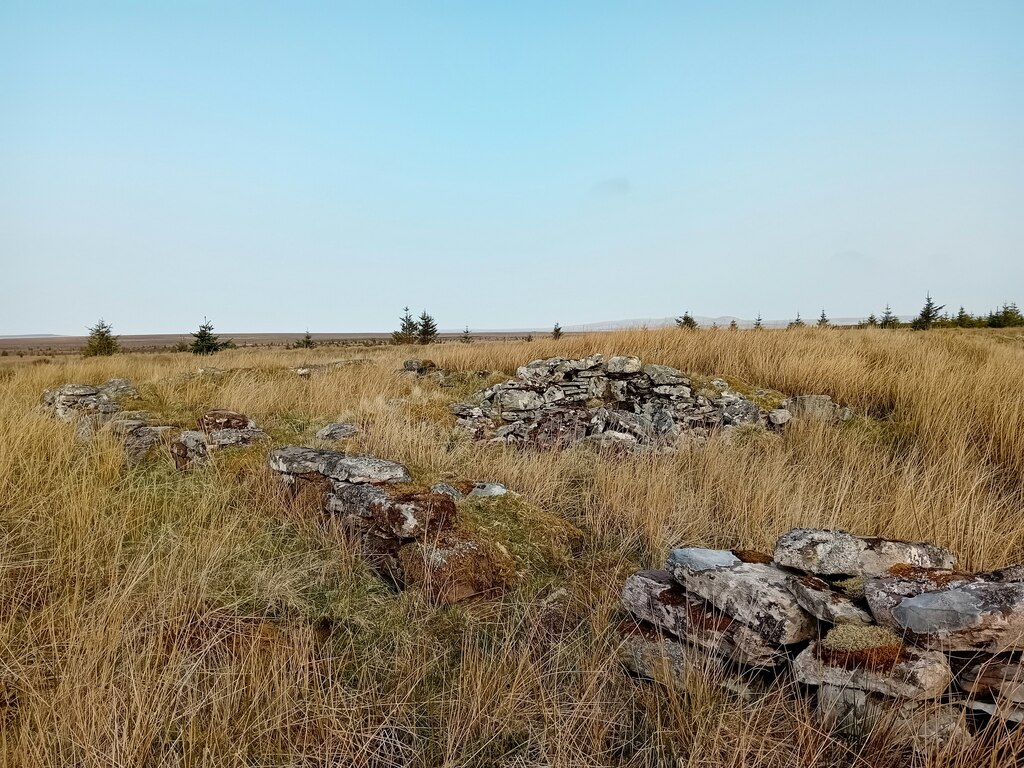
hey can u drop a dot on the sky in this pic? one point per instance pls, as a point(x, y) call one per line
point(284, 166)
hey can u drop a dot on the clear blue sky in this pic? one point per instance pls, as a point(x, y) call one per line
point(278, 166)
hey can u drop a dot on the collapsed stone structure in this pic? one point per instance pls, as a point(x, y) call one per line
point(96, 408)
point(619, 402)
point(874, 628)
point(409, 535)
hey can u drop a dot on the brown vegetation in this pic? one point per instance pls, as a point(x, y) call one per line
point(153, 618)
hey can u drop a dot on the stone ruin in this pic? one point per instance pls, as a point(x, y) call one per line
point(875, 630)
point(409, 535)
point(98, 408)
point(620, 402)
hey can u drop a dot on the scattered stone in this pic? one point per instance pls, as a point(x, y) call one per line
point(454, 566)
point(488, 489)
point(875, 660)
point(298, 461)
point(824, 603)
point(448, 490)
point(838, 553)
point(221, 418)
point(189, 450)
point(337, 431)
point(754, 594)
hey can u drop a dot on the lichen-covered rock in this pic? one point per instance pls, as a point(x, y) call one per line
point(225, 438)
point(973, 616)
point(141, 439)
point(651, 655)
point(337, 431)
point(883, 594)
point(824, 603)
point(654, 597)
point(455, 566)
point(873, 659)
point(294, 461)
point(753, 594)
point(189, 450)
point(72, 402)
point(699, 558)
point(221, 418)
point(838, 553)
point(403, 516)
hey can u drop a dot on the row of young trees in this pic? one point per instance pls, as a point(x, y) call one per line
point(930, 316)
point(102, 341)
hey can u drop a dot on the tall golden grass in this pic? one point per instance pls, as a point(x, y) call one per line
point(155, 619)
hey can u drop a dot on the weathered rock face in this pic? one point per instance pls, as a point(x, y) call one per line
point(141, 439)
point(885, 593)
point(654, 597)
point(453, 566)
point(975, 616)
point(884, 667)
point(753, 594)
point(699, 559)
point(824, 603)
point(296, 461)
point(221, 418)
point(189, 450)
point(617, 403)
point(837, 553)
point(74, 401)
point(337, 431)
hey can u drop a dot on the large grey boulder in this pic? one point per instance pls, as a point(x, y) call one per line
point(838, 553)
point(654, 597)
point(753, 594)
point(297, 460)
point(974, 616)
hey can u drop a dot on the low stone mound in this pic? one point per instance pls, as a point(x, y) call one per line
point(411, 536)
point(613, 402)
point(876, 629)
point(97, 403)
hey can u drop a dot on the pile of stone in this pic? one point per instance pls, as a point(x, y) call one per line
point(409, 535)
point(219, 428)
point(875, 629)
point(95, 404)
point(617, 402)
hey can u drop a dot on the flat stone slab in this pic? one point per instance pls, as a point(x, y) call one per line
point(824, 603)
point(699, 559)
point(838, 553)
point(915, 674)
point(299, 460)
point(884, 594)
point(974, 616)
point(655, 597)
point(224, 438)
point(754, 594)
point(998, 677)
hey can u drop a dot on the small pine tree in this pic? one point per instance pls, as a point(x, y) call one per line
point(872, 320)
point(528, 338)
point(798, 323)
point(205, 342)
point(686, 321)
point(889, 320)
point(823, 320)
point(467, 337)
point(757, 322)
point(714, 326)
point(556, 332)
point(733, 326)
point(427, 329)
point(306, 342)
point(101, 341)
point(408, 331)
point(929, 315)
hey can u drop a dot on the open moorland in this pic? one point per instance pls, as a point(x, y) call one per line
point(206, 616)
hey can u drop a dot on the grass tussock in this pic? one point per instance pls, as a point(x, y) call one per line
point(160, 619)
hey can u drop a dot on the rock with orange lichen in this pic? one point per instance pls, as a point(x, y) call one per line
point(654, 597)
point(873, 659)
point(454, 566)
point(754, 594)
point(883, 594)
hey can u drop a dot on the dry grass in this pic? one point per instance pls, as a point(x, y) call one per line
point(153, 619)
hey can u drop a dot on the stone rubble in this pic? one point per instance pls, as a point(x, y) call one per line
point(337, 431)
point(918, 646)
point(410, 537)
point(616, 402)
